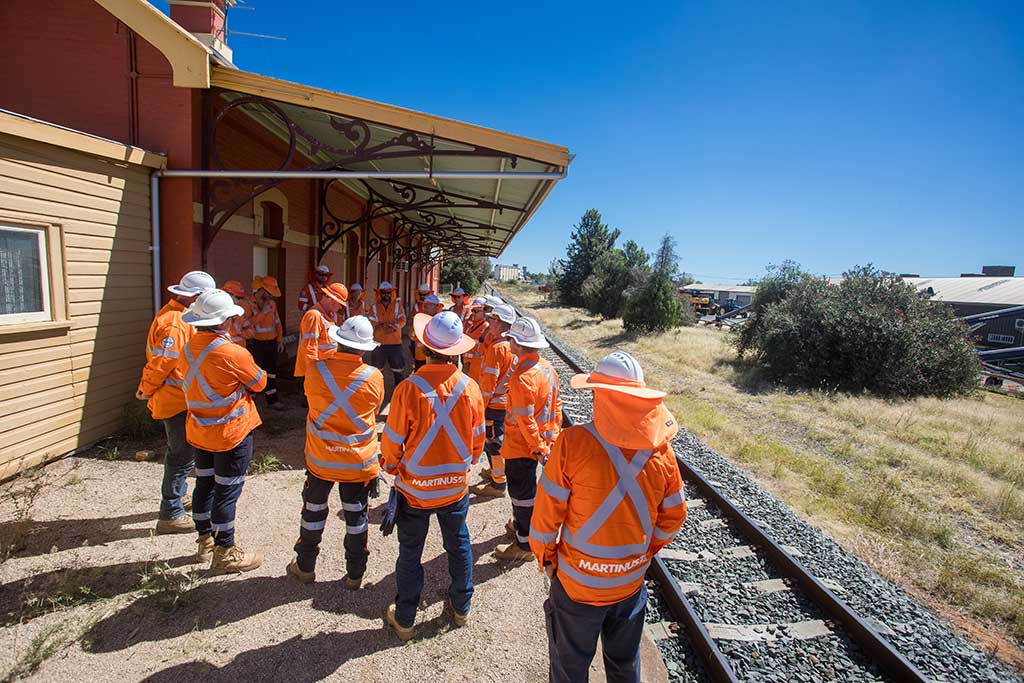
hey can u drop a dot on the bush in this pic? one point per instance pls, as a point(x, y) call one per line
point(771, 289)
point(872, 332)
point(654, 307)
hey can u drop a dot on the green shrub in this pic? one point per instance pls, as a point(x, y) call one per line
point(871, 332)
point(654, 307)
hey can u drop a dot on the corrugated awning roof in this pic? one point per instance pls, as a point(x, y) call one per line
point(340, 132)
point(973, 290)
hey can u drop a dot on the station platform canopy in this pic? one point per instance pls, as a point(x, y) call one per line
point(427, 183)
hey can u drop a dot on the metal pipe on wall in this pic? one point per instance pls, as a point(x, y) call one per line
point(154, 248)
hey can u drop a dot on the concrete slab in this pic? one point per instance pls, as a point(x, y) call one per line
point(716, 523)
point(801, 630)
point(769, 585)
point(738, 552)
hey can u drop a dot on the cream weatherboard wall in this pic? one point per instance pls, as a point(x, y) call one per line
point(64, 382)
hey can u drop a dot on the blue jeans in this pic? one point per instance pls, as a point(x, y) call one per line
point(177, 465)
point(413, 524)
point(219, 480)
point(574, 627)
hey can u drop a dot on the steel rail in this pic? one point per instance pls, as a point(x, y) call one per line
point(877, 648)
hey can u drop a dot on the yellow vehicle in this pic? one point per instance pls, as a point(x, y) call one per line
point(703, 303)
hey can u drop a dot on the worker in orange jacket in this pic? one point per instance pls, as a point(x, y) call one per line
point(344, 395)
point(460, 303)
point(220, 378)
point(160, 386)
point(422, 292)
point(613, 490)
point(497, 365)
point(388, 319)
point(434, 434)
point(314, 344)
point(430, 305)
point(476, 329)
point(532, 423)
point(356, 301)
point(241, 326)
point(319, 278)
point(268, 334)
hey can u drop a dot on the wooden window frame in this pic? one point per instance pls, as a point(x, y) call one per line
point(54, 278)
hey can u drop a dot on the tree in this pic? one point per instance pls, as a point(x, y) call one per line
point(871, 332)
point(617, 273)
point(590, 239)
point(770, 289)
point(655, 305)
point(468, 272)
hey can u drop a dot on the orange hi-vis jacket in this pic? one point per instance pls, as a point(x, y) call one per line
point(498, 363)
point(381, 315)
point(314, 344)
point(474, 330)
point(344, 396)
point(162, 377)
point(534, 416)
point(461, 310)
point(310, 295)
point(616, 509)
point(218, 380)
point(435, 431)
point(266, 323)
point(240, 327)
point(354, 308)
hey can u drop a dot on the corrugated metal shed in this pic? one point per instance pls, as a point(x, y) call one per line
point(1007, 291)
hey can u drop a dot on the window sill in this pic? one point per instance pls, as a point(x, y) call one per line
point(42, 326)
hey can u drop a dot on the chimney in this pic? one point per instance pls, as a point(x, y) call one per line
point(206, 20)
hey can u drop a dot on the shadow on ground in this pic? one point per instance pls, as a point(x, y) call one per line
point(225, 601)
point(64, 534)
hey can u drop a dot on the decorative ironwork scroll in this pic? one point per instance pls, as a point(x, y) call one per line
point(350, 143)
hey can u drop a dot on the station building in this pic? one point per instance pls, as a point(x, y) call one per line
point(133, 150)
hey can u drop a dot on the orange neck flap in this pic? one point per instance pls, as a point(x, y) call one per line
point(632, 423)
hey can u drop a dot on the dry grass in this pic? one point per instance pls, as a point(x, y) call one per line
point(930, 491)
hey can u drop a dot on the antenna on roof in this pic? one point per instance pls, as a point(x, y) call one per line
point(255, 35)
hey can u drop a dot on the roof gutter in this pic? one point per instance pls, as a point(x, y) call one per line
point(380, 175)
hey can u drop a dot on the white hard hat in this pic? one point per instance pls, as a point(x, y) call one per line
point(458, 290)
point(386, 285)
point(527, 332)
point(442, 333)
point(212, 308)
point(479, 301)
point(493, 301)
point(424, 287)
point(618, 371)
point(193, 284)
point(431, 299)
point(322, 268)
point(355, 287)
point(356, 333)
point(504, 313)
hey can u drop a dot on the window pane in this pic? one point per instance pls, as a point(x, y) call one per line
point(21, 284)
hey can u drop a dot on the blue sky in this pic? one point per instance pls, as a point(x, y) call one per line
point(833, 133)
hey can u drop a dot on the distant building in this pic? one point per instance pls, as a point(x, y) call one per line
point(971, 294)
point(741, 294)
point(513, 272)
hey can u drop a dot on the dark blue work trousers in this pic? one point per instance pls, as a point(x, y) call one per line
point(574, 627)
point(219, 480)
point(413, 524)
point(522, 489)
point(315, 493)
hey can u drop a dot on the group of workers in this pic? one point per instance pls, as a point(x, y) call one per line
point(608, 495)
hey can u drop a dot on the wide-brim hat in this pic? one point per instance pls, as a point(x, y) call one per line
point(268, 283)
point(337, 292)
point(211, 308)
point(345, 334)
point(233, 287)
point(419, 327)
point(595, 380)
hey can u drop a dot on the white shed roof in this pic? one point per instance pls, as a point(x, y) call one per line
point(974, 290)
point(735, 289)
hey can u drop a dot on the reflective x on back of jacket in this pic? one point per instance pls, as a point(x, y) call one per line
point(623, 564)
point(353, 455)
point(415, 479)
point(546, 417)
point(213, 430)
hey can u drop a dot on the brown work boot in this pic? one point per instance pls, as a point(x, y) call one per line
point(513, 553)
point(510, 530)
point(404, 633)
point(204, 548)
point(486, 474)
point(234, 560)
point(459, 620)
point(353, 584)
point(182, 524)
point(186, 502)
point(489, 491)
point(302, 577)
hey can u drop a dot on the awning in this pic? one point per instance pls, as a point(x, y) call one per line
point(476, 187)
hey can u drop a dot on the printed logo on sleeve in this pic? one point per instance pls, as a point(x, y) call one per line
point(167, 342)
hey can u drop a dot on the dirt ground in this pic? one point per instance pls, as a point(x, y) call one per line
point(89, 593)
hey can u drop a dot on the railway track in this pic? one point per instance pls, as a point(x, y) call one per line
point(736, 600)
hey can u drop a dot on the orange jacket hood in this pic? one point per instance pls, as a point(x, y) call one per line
point(633, 423)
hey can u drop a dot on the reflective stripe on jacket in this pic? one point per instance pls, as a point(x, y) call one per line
point(162, 376)
point(308, 297)
point(314, 344)
point(498, 363)
point(392, 314)
point(344, 396)
point(614, 509)
point(534, 415)
point(219, 377)
point(435, 430)
point(266, 323)
point(240, 327)
point(354, 308)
